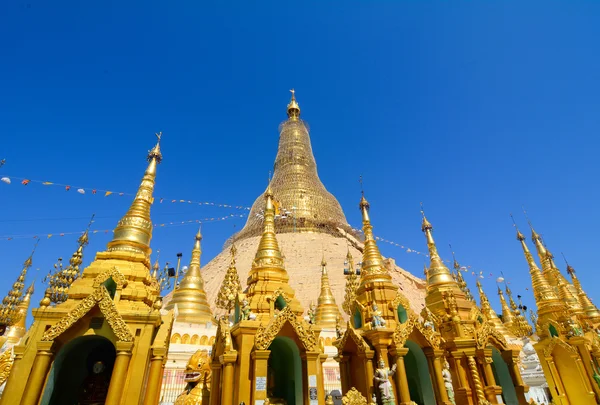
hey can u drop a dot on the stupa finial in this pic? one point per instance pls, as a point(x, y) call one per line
point(293, 109)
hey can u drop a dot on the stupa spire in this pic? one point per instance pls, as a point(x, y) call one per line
point(231, 286)
point(507, 315)
point(327, 310)
point(546, 298)
point(18, 330)
point(305, 203)
point(352, 283)
point(590, 310)
point(438, 274)
point(489, 313)
point(134, 231)
point(521, 327)
point(268, 275)
point(9, 309)
point(372, 259)
point(190, 296)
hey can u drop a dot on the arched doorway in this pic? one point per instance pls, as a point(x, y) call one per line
point(284, 379)
point(503, 378)
point(81, 372)
point(417, 373)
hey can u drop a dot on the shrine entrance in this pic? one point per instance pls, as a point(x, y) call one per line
point(419, 379)
point(81, 372)
point(284, 376)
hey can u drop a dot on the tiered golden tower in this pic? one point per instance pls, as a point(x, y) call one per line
point(92, 346)
point(327, 313)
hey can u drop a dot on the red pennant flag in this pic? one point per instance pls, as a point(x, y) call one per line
point(25, 182)
point(94, 191)
point(67, 188)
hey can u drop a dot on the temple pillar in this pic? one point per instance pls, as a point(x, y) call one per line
point(491, 389)
point(215, 383)
point(369, 373)
point(556, 378)
point(511, 358)
point(119, 374)
point(476, 379)
point(462, 388)
point(582, 374)
point(227, 389)
point(401, 380)
point(38, 374)
point(434, 358)
point(155, 374)
point(587, 359)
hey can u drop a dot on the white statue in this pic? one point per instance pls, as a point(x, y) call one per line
point(448, 382)
point(382, 379)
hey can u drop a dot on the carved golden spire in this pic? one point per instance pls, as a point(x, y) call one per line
point(521, 328)
point(372, 260)
point(190, 297)
point(155, 269)
point(62, 278)
point(507, 315)
point(352, 283)
point(9, 309)
point(462, 284)
point(546, 298)
point(18, 330)
point(134, 231)
point(231, 286)
point(268, 275)
point(327, 310)
point(590, 310)
point(438, 274)
point(293, 109)
point(489, 313)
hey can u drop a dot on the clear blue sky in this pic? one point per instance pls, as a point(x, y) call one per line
point(473, 108)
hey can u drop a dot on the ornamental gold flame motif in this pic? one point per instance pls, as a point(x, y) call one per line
point(304, 204)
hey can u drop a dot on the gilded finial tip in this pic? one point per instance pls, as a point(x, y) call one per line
point(155, 153)
point(293, 109)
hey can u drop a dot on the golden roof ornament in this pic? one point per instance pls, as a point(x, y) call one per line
point(134, 231)
point(9, 309)
point(61, 279)
point(231, 286)
point(293, 109)
point(18, 330)
point(190, 297)
point(352, 283)
point(305, 204)
point(521, 328)
point(327, 311)
point(462, 284)
point(590, 310)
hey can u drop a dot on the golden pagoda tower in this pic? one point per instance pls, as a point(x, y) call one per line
point(563, 348)
point(270, 343)
point(189, 297)
point(327, 312)
point(15, 332)
point(460, 279)
point(591, 311)
point(489, 313)
point(231, 286)
point(297, 186)
point(95, 343)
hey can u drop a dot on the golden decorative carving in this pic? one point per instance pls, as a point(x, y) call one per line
point(353, 397)
point(99, 297)
point(265, 335)
point(433, 337)
point(555, 341)
point(198, 375)
point(483, 334)
point(403, 330)
point(352, 333)
point(401, 300)
point(6, 363)
point(116, 275)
